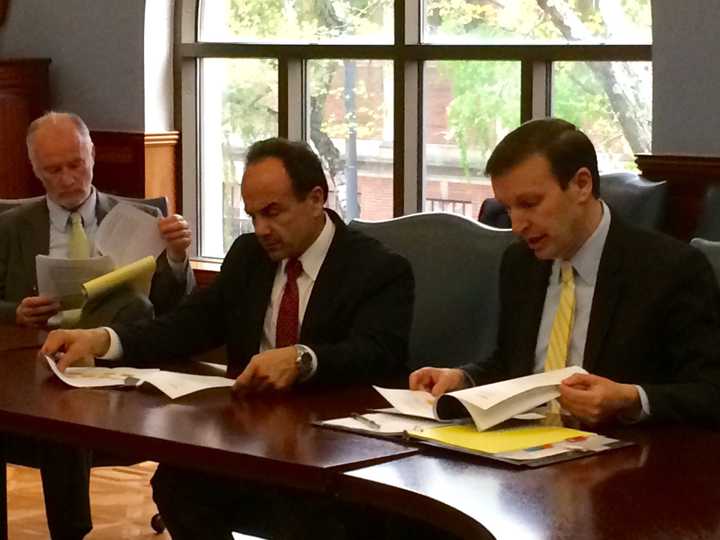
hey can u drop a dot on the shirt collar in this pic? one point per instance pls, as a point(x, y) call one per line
point(586, 260)
point(314, 256)
point(59, 216)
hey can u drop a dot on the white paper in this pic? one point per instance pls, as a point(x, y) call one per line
point(488, 405)
point(175, 385)
point(488, 395)
point(128, 234)
point(390, 424)
point(172, 384)
point(95, 377)
point(63, 278)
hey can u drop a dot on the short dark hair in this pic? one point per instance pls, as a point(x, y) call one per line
point(301, 163)
point(560, 142)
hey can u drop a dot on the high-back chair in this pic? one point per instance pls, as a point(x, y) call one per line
point(635, 199)
point(9, 204)
point(708, 226)
point(456, 263)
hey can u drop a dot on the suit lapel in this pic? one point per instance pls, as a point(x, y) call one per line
point(103, 205)
point(325, 289)
point(37, 241)
point(531, 296)
point(252, 315)
point(608, 288)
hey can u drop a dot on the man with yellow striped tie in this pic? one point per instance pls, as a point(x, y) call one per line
point(638, 310)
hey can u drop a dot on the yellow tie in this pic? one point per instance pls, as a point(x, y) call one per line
point(78, 246)
point(559, 343)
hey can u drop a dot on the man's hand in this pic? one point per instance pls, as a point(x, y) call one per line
point(437, 381)
point(76, 346)
point(36, 310)
point(176, 232)
point(594, 399)
point(275, 369)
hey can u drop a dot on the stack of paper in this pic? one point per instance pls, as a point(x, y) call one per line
point(174, 385)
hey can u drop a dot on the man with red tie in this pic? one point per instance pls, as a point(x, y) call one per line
point(302, 301)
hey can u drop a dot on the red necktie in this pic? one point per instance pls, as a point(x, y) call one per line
point(286, 332)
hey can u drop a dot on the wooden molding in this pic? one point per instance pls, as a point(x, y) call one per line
point(205, 271)
point(688, 178)
point(137, 164)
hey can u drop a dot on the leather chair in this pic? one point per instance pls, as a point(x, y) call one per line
point(493, 213)
point(456, 263)
point(636, 199)
point(9, 204)
point(711, 250)
point(708, 226)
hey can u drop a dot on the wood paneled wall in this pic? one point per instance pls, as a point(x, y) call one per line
point(137, 164)
point(24, 96)
point(688, 178)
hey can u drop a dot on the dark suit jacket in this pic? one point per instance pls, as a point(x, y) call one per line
point(655, 321)
point(357, 319)
point(25, 233)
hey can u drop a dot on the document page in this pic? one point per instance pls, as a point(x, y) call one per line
point(63, 278)
point(94, 377)
point(173, 385)
point(410, 402)
point(128, 234)
point(489, 395)
point(381, 423)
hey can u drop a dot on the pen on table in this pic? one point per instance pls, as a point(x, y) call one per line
point(365, 421)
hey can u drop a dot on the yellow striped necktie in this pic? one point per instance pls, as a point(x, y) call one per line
point(78, 244)
point(559, 343)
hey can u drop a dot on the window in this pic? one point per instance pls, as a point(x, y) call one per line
point(403, 100)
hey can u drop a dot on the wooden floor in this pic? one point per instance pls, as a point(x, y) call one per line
point(121, 498)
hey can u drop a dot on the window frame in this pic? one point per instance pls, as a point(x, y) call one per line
point(407, 53)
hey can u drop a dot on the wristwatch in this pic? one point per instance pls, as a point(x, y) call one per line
point(304, 362)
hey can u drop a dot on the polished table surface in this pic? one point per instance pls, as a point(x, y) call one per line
point(16, 337)
point(667, 486)
point(210, 430)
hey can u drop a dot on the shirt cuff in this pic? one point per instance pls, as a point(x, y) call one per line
point(644, 408)
point(115, 351)
point(469, 382)
point(178, 268)
point(313, 366)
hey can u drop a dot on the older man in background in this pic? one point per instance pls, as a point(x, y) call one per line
point(62, 156)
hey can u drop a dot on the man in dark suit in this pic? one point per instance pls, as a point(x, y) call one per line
point(62, 156)
point(646, 318)
point(302, 301)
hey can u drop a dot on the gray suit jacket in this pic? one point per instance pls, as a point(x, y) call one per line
point(25, 233)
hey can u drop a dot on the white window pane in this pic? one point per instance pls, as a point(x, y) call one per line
point(612, 103)
point(351, 128)
point(525, 21)
point(283, 21)
point(469, 106)
point(238, 106)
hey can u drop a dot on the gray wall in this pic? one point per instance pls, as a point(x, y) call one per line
point(686, 75)
point(96, 48)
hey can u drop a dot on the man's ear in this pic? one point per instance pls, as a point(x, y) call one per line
point(316, 197)
point(583, 182)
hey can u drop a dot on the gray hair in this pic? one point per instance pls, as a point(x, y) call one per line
point(55, 117)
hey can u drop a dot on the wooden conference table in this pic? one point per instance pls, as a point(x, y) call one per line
point(668, 486)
